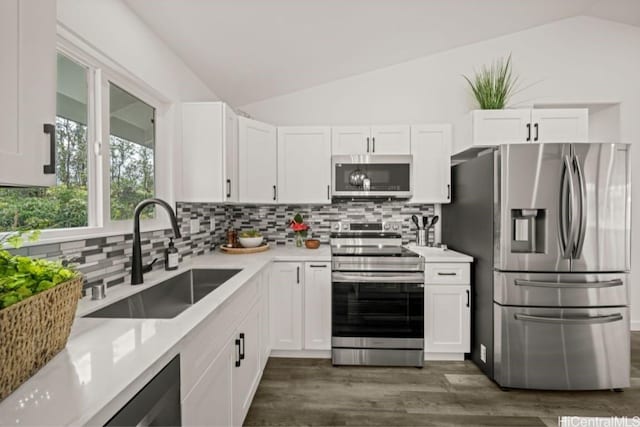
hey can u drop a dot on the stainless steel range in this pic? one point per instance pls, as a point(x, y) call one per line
point(377, 296)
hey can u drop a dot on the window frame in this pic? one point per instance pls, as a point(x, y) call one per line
point(100, 72)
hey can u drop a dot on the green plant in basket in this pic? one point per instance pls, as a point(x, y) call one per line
point(22, 277)
point(493, 85)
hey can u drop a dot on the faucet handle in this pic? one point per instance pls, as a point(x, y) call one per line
point(147, 268)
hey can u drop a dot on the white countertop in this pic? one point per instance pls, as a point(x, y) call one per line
point(106, 361)
point(432, 255)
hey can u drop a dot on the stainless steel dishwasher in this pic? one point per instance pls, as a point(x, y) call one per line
point(157, 404)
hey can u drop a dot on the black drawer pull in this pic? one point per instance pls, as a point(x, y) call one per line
point(447, 274)
point(318, 265)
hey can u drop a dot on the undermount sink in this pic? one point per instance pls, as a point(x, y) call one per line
point(169, 298)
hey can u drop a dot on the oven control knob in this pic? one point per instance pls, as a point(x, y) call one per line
point(387, 226)
point(336, 226)
point(396, 227)
point(345, 226)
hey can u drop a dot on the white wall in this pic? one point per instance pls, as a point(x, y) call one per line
point(115, 31)
point(577, 60)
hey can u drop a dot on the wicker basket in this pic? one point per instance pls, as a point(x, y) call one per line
point(34, 330)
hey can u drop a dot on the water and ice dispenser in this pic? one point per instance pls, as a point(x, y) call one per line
point(528, 230)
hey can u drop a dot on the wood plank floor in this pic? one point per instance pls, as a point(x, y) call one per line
point(297, 392)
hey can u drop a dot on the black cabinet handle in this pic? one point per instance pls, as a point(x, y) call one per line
point(275, 193)
point(328, 192)
point(468, 298)
point(318, 265)
point(528, 131)
point(367, 144)
point(374, 144)
point(448, 191)
point(242, 346)
point(228, 188)
point(238, 363)
point(298, 274)
point(50, 129)
point(535, 138)
point(446, 274)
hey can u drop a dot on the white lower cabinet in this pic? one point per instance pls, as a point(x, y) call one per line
point(246, 371)
point(300, 305)
point(447, 320)
point(285, 305)
point(221, 361)
point(210, 401)
point(265, 327)
point(317, 306)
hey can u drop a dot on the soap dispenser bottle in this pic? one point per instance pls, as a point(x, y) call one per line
point(171, 256)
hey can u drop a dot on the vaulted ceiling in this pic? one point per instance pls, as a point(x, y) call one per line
point(250, 50)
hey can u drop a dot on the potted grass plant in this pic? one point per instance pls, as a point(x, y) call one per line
point(494, 84)
point(38, 301)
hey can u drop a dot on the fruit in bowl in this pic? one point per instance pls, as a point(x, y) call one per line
point(250, 238)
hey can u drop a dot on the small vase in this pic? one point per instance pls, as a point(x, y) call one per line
point(299, 240)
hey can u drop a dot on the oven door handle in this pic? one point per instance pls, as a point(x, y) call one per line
point(337, 277)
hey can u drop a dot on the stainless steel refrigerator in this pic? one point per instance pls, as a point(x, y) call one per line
point(549, 228)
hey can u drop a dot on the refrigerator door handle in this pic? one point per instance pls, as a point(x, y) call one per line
point(543, 284)
point(567, 238)
point(582, 320)
point(582, 228)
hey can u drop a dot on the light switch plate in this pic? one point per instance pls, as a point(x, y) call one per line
point(194, 225)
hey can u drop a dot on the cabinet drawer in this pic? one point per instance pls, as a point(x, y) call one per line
point(443, 273)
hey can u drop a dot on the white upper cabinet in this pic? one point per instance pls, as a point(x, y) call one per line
point(370, 140)
point(390, 140)
point(431, 150)
point(209, 152)
point(28, 88)
point(257, 160)
point(232, 186)
point(523, 126)
point(304, 165)
point(350, 140)
point(560, 125)
point(492, 127)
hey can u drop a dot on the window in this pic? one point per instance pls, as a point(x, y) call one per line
point(106, 155)
point(66, 204)
point(131, 153)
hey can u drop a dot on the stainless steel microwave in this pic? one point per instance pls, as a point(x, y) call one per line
point(372, 176)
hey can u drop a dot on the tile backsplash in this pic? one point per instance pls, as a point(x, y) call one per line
point(108, 259)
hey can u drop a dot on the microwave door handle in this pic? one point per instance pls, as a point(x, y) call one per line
point(582, 186)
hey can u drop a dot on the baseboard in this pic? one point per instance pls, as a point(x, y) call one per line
point(635, 325)
point(311, 354)
point(443, 356)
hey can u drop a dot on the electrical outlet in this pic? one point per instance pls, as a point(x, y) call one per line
point(483, 353)
point(194, 226)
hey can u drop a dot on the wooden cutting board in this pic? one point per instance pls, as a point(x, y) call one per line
point(240, 251)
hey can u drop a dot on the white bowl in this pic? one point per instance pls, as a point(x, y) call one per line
point(250, 242)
